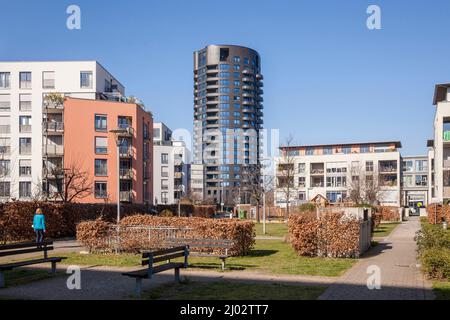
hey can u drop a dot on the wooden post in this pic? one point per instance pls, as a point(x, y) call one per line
point(177, 274)
point(186, 254)
point(53, 267)
point(150, 265)
point(2, 279)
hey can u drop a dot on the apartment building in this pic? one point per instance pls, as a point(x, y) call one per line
point(112, 142)
point(31, 130)
point(228, 117)
point(439, 147)
point(197, 186)
point(332, 171)
point(415, 181)
point(171, 166)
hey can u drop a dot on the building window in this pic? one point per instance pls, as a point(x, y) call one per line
point(86, 79)
point(124, 122)
point(5, 82)
point(407, 181)
point(25, 124)
point(25, 189)
point(364, 149)
point(25, 80)
point(421, 181)
point(5, 168)
point(164, 184)
point(5, 103)
point(25, 102)
point(236, 59)
point(421, 165)
point(48, 80)
point(302, 196)
point(101, 167)
point(101, 190)
point(327, 151)
point(164, 158)
point(369, 166)
point(309, 151)
point(101, 145)
point(346, 150)
point(101, 123)
point(224, 53)
point(25, 146)
point(302, 182)
point(5, 189)
point(301, 168)
point(164, 172)
point(408, 166)
point(25, 168)
point(164, 197)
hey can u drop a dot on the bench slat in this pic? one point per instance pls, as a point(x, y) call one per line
point(23, 251)
point(10, 266)
point(168, 257)
point(162, 252)
point(24, 245)
point(199, 254)
point(143, 273)
point(175, 240)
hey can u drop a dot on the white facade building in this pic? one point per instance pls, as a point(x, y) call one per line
point(197, 186)
point(25, 122)
point(439, 148)
point(330, 171)
point(415, 182)
point(171, 166)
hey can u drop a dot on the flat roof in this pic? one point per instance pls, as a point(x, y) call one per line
point(397, 144)
point(440, 92)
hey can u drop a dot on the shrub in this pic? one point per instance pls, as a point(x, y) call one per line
point(331, 235)
point(389, 213)
point(166, 213)
point(438, 213)
point(133, 238)
point(436, 263)
point(376, 220)
point(432, 237)
point(93, 234)
point(306, 207)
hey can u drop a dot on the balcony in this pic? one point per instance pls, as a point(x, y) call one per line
point(248, 79)
point(5, 150)
point(52, 106)
point(53, 150)
point(126, 173)
point(247, 71)
point(53, 127)
point(126, 152)
point(179, 175)
point(178, 188)
point(25, 128)
point(126, 196)
point(259, 77)
point(127, 130)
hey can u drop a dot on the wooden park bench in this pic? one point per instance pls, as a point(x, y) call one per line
point(212, 245)
point(23, 248)
point(151, 260)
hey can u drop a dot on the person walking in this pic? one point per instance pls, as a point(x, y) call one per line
point(39, 225)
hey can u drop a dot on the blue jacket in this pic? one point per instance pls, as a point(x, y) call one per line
point(39, 222)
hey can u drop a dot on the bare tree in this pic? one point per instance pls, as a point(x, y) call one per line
point(251, 181)
point(286, 171)
point(72, 182)
point(364, 188)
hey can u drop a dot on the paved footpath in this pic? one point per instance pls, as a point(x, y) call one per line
point(401, 278)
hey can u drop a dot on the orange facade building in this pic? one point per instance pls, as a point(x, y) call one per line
point(90, 144)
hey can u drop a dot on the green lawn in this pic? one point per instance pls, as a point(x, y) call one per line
point(268, 256)
point(232, 291)
point(442, 290)
point(272, 229)
point(385, 229)
point(22, 276)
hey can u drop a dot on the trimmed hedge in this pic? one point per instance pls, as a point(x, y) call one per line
point(390, 214)
point(134, 238)
point(438, 213)
point(331, 235)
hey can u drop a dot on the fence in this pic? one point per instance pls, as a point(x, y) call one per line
point(126, 238)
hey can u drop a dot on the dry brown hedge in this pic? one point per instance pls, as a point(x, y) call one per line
point(437, 213)
point(134, 239)
point(330, 235)
point(390, 214)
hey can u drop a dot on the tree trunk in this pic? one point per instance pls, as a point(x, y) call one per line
point(258, 220)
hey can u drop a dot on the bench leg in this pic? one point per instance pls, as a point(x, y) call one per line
point(177, 274)
point(2, 279)
point(223, 264)
point(53, 267)
point(138, 287)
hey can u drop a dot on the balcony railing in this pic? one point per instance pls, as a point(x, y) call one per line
point(5, 129)
point(5, 106)
point(53, 150)
point(25, 128)
point(126, 196)
point(388, 169)
point(125, 152)
point(126, 173)
point(25, 150)
point(52, 126)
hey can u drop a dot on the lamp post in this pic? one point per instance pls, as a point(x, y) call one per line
point(264, 194)
point(117, 133)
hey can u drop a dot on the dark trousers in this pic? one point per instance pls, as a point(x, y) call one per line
point(39, 236)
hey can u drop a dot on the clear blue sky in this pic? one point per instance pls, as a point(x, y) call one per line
point(328, 79)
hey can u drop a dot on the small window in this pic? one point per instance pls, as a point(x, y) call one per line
point(164, 172)
point(327, 151)
point(101, 167)
point(25, 189)
point(86, 79)
point(101, 190)
point(224, 53)
point(310, 152)
point(101, 123)
point(48, 80)
point(364, 149)
point(25, 168)
point(101, 145)
point(25, 80)
point(5, 189)
point(5, 80)
point(25, 102)
point(164, 158)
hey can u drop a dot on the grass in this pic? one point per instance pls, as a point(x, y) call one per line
point(22, 276)
point(272, 229)
point(442, 290)
point(232, 291)
point(268, 256)
point(385, 229)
